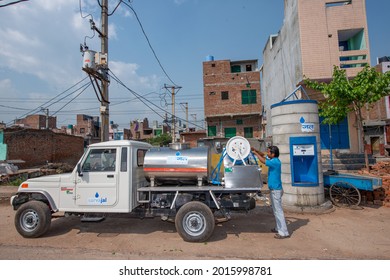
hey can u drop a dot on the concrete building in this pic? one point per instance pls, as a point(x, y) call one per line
point(232, 102)
point(140, 129)
point(118, 134)
point(315, 36)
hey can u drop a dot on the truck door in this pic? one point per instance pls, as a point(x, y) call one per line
point(98, 184)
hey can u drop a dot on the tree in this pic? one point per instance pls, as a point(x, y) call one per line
point(344, 95)
point(160, 140)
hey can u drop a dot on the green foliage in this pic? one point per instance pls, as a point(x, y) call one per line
point(160, 140)
point(16, 182)
point(343, 95)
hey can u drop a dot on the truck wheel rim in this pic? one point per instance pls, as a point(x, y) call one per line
point(29, 220)
point(194, 223)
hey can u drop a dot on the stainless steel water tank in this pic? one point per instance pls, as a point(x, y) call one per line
point(177, 164)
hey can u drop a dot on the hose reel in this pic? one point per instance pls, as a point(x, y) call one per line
point(238, 149)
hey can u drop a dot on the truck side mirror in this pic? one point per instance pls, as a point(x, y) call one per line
point(79, 171)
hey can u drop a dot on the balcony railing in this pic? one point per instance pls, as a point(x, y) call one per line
point(353, 59)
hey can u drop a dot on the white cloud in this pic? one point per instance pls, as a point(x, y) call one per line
point(39, 49)
point(127, 73)
point(179, 2)
point(5, 84)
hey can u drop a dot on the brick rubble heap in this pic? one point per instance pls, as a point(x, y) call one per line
point(379, 196)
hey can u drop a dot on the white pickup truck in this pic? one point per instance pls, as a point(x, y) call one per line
point(133, 177)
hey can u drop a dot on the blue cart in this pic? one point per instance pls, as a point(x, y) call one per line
point(344, 187)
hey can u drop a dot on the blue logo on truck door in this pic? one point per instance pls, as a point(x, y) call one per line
point(97, 199)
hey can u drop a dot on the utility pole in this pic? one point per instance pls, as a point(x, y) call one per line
point(47, 116)
point(173, 116)
point(194, 116)
point(104, 109)
point(96, 66)
point(186, 108)
point(173, 111)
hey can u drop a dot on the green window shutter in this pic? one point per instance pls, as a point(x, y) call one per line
point(248, 96)
point(157, 132)
point(230, 132)
point(212, 131)
point(239, 121)
point(248, 132)
point(235, 68)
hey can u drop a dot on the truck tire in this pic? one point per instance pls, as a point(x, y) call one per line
point(195, 222)
point(33, 219)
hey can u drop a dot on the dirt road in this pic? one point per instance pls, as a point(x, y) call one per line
point(341, 234)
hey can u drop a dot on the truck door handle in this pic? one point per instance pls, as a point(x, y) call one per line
point(110, 176)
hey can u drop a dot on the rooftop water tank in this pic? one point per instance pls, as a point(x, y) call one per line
point(209, 58)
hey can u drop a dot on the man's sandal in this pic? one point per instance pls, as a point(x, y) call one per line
point(278, 236)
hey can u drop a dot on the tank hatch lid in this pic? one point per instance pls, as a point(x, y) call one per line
point(179, 146)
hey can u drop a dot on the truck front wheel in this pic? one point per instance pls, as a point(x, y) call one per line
point(33, 219)
point(195, 222)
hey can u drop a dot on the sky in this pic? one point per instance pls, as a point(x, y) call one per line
point(41, 62)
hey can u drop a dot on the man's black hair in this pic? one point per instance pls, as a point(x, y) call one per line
point(274, 150)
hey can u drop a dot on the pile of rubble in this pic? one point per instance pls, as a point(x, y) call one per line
point(379, 196)
point(10, 173)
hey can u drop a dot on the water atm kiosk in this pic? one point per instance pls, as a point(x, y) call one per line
point(304, 161)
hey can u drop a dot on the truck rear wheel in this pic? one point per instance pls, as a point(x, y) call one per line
point(195, 222)
point(33, 219)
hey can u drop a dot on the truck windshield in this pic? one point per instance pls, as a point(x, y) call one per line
point(100, 160)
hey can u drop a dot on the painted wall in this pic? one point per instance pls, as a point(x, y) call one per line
point(3, 147)
point(282, 62)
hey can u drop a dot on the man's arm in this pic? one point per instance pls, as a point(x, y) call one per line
point(259, 154)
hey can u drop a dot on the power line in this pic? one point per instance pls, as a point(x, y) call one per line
point(139, 97)
point(12, 3)
point(150, 45)
point(142, 99)
point(72, 99)
point(45, 104)
point(10, 107)
point(116, 7)
point(89, 99)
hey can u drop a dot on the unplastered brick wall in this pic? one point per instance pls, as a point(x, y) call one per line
point(380, 196)
point(218, 78)
point(37, 147)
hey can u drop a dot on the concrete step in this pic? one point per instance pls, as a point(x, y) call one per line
point(346, 161)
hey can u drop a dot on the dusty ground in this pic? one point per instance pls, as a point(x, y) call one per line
point(340, 234)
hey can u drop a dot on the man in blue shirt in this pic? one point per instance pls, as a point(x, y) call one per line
point(276, 190)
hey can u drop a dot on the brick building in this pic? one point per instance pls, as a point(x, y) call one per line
point(232, 102)
point(315, 36)
point(87, 125)
point(37, 122)
point(140, 130)
point(192, 137)
point(36, 147)
point(377, 118)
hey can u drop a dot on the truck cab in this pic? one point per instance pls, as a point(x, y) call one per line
point(105, 179)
